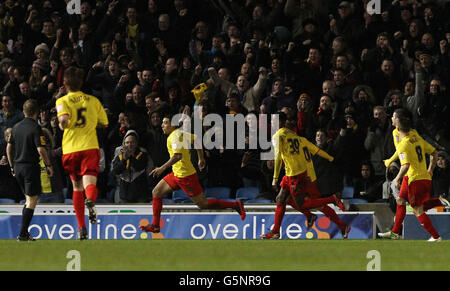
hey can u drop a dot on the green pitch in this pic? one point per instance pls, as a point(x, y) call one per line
point(225, 255)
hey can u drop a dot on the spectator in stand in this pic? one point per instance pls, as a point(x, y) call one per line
point(324, 119)
point(367, 186)
point(52, 187)
point(156, 142)
point(383, 80)
point(61, 63)
point(364, 101)
point(346, 24)
point(344, 90)
point(434, 112)
point(330, 178)
point(373, 58)
point(353, 141)
point(441, 176)
point(304, 113)
point(378, 141)
point(9, 188)
point(131, 164)
point(351, 73)
point(9, 115)
point(278, 98)
point(106, 79)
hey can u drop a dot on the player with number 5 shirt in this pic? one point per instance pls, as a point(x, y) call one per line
point(79, 115)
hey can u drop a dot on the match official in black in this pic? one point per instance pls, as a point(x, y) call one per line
point(25, 145)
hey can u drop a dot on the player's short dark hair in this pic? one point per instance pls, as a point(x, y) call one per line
point(31, 107)
point(403, 113)
point(404, 124)
point(282, 117)
point(73, 78)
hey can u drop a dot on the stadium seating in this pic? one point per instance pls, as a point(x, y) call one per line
point(7, 201)
point(357, 200)
point(179, 196)
point(218, 192)
point(347, 192)
point(246, 193)
point(258, 200)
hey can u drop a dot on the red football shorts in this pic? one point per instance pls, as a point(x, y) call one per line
point(304, 185)
point(404, 189)
point(190, 184)
point(79, 164)
point(419, 192)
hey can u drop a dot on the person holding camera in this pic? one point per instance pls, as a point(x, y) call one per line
point(130, 164)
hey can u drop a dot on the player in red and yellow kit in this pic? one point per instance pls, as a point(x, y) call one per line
point(300, 179)
point(411, 151)
point(402, 198)
point(183, 176)
point(79, 115)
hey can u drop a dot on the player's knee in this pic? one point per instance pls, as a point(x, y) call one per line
point(281, 198)
point(156, 193)
point(202, 204)
point(31, 201)
point(401, 201)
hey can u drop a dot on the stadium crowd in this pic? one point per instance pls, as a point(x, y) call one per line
point(340, 70)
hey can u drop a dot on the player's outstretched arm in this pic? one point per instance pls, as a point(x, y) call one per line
point(324, 155)
point(389, 161)
point(156, 172)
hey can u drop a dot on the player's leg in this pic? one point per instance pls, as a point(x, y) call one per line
point(79, 205)
point(310, 217)
point(91, 192)
point(89, 168)
point(164, 187)
point(90, 187)
point(27, 216)
point(281, 199)
point(400, 212)
point(434, 202)
point(426, 223)
point(191, 185)
point(419, 192)
point(29, 180)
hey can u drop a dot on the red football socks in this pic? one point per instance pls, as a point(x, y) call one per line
point(91, 192)
point(400, 214)
point(78, 205)
point(221, 204)
point(331, 214)
point(426, 223)
point(157, 208)
point(279, 215)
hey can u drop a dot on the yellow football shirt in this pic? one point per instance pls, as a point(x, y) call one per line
point(397, 139)
point(288, 148)
point(85, 113)
point(412, 150)
point(178, 142)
